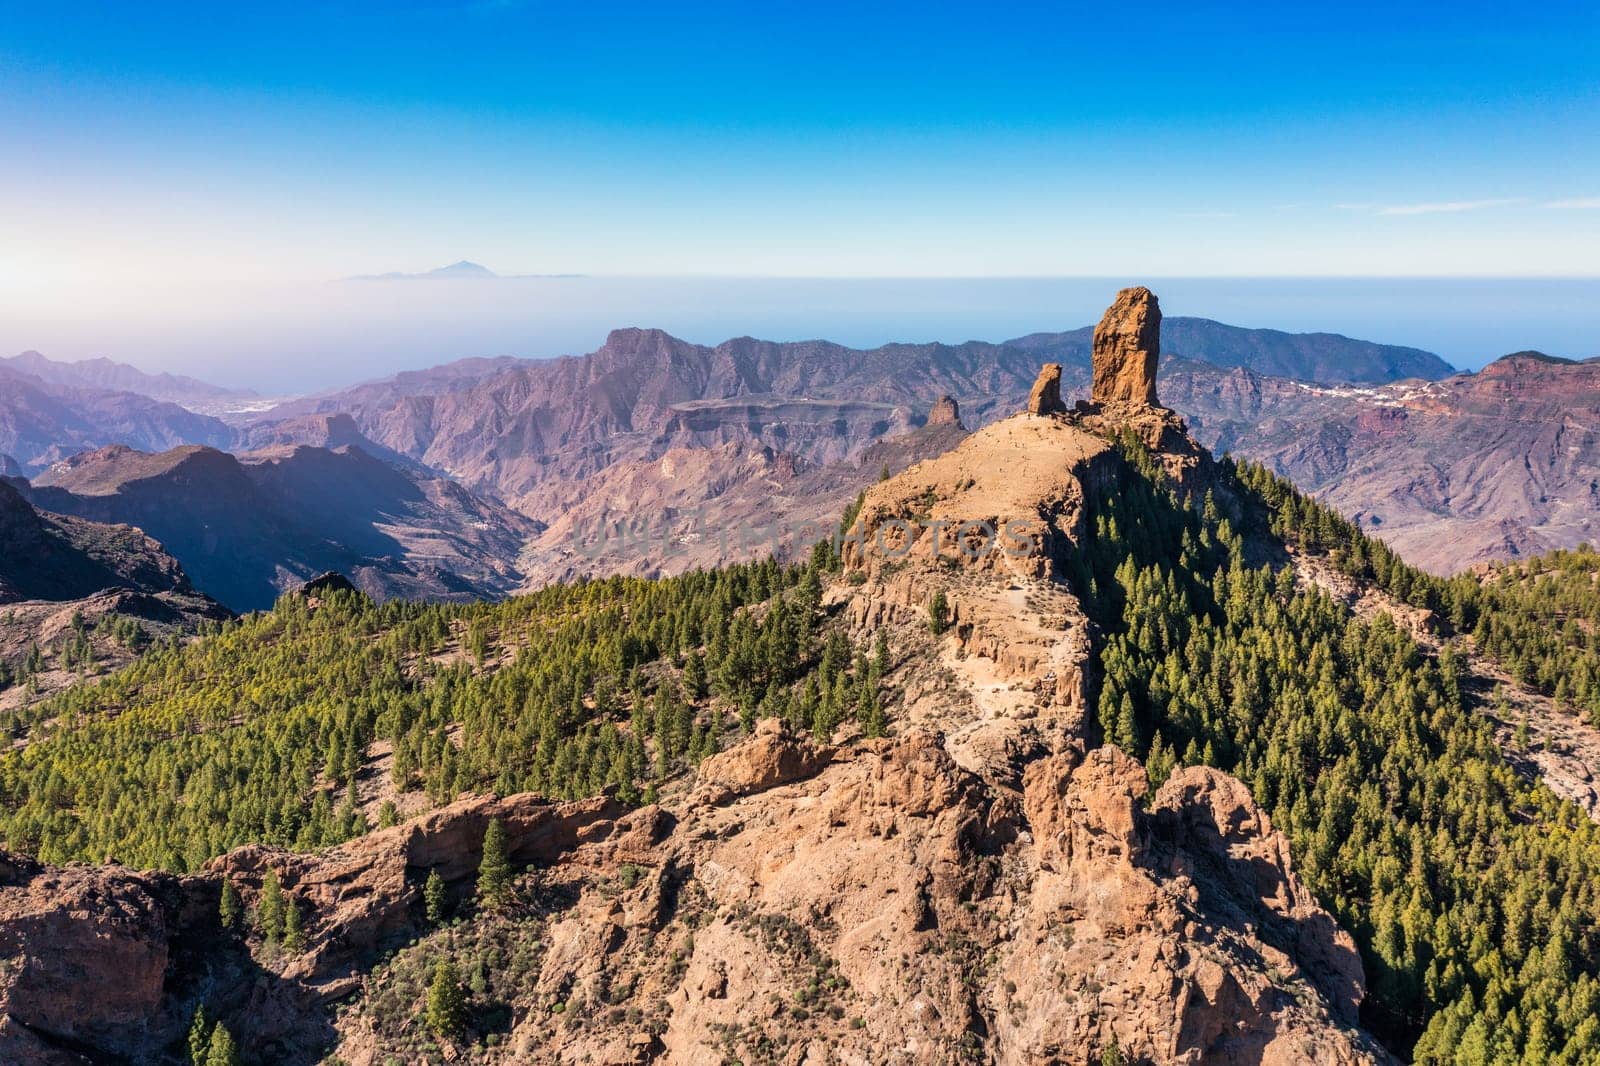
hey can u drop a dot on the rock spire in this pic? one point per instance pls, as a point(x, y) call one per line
point(945, 412)
point(1045, 399)
point(1127, 344)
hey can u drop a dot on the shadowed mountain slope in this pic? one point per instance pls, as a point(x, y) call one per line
point(78, 598)
point(249, 527)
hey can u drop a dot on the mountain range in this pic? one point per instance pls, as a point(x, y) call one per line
point(562, 464)
point(42, 422)
point(1499, 464)
point(1391, 433)
point(530, 431)
point(111, 376)
point(247, 527)
point(1184, 768)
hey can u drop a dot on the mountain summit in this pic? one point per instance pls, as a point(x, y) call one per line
point(464, 270)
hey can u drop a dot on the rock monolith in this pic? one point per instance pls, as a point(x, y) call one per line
point(1045, 399)
point(1127, 344)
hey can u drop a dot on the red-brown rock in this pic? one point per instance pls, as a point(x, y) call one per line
point(1127, 345)
point(1045, 399)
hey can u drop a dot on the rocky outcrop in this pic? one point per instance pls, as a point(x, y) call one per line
point(1222, 841)
point(359, 897)
point(1005, 499)
point(1179, 931)
point(1045, 399)
point(99, 962)
point(1141, 927)
point(1127, 346)
point(322, 586)
point(944, 412)
point(1127, 350)
point(85, 955)
point(886, 883)
point(770, 758)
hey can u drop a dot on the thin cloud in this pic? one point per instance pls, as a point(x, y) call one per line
point(1447, 206)
point(1582, 203)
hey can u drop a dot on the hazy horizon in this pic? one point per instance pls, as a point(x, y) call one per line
point(270, 142)
point(861, 173)
point(283, 339)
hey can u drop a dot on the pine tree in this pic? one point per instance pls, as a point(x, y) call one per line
point(447, 1008)
point(294, 938)
point(694, 675)
point(433, 897)
point(874, 723)
point(222, 1051)
point(269, 914)
point(494, 872)
point(230, 908)
point(199, 1036)
point(1112, 1055)
point(938, 613)
point(1127, 726)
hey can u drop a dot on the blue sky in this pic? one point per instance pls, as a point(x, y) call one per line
point(300, 142)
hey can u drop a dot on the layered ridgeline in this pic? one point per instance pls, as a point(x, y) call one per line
point(1451, 469)
point(655, 440)
point(79, 598)
point(104, 374)
point(1172, 766)
point(618, 424)
point(1494, 465)
point(44, 421)
point(247, 527)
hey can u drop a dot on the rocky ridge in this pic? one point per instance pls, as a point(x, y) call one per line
point(990, 883)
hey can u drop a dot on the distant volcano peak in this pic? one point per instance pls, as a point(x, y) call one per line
point(462, 270)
